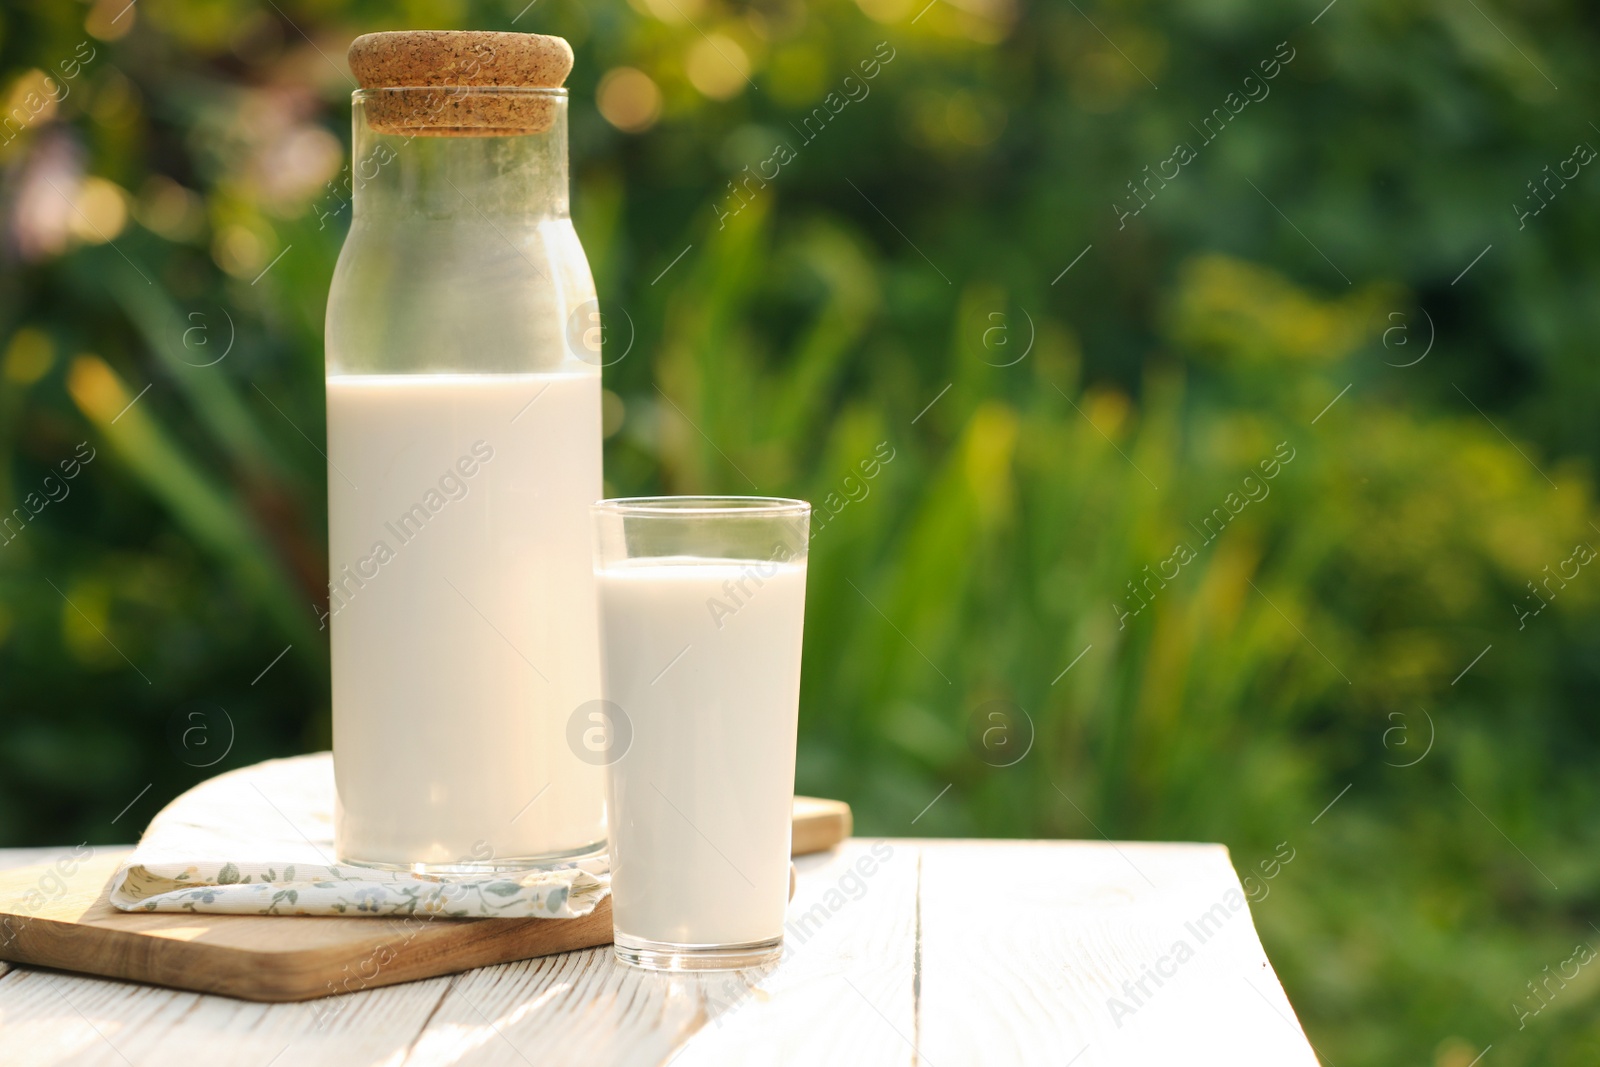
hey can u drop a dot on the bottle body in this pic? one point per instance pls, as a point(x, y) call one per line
point(464, 442)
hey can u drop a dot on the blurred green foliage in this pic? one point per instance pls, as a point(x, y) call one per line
point(951, 264)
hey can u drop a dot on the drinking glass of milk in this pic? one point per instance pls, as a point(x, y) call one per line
point(702, 604)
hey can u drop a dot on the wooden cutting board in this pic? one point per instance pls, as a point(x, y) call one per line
point(58, 915)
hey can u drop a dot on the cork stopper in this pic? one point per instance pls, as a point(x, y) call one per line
point(450, 77)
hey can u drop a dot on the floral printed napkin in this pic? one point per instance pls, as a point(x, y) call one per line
point(259, 841)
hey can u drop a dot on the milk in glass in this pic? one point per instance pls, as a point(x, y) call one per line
point(703, 657)
point(463, 612)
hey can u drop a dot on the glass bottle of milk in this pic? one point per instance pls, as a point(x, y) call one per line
point(464, 441)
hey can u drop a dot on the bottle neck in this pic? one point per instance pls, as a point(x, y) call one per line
point(422, 173)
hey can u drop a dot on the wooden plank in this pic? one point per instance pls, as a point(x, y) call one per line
point(579, 1008)
point(58, 915)
point(818, 824)
point(844, 993)
point(12, 858)
point(847, 929)
point(257, 957)
point(51, 1019)
point(1095, 954)
point(1023, 948)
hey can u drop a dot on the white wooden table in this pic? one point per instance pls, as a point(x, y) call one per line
point(901, 952)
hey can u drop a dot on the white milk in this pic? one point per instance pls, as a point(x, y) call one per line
point(463, 614)
point(701, 799)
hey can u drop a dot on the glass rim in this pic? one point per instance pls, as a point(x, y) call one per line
point(555, 92)
point(766, 507)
